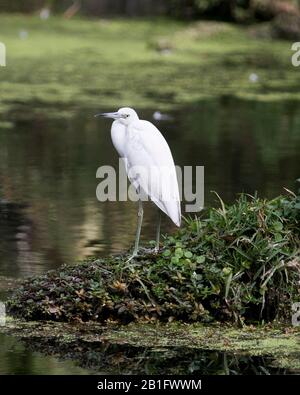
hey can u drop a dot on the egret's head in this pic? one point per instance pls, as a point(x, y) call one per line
point(125, 115)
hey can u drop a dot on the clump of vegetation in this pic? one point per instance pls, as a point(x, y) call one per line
point(238, 262)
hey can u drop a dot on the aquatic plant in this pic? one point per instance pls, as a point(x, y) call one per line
point(237, 262)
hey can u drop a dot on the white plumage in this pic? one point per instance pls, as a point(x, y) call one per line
point(149, 162)
point(143, 147)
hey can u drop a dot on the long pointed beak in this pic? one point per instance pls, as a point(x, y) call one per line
point(113, 115)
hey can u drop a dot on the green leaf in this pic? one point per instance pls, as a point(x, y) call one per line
point(175, 259)
point(200, 259)
point(278, 226)
point(227, 288)
point(227, 270)
point(262, 290)
point(188, 254)
point(242, 253)
point(179, 252)
point(246, 264)
point(167, 253)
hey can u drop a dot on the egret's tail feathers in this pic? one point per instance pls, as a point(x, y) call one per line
point(171, 209)
point(176, 219)
point(178, 222)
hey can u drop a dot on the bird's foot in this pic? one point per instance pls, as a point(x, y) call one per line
point(134, 255)
point(144, 251)
point(151, 251)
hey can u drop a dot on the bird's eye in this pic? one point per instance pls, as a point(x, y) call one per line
point(127, 115)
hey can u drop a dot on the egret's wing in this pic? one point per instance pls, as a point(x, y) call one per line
point(151, 166)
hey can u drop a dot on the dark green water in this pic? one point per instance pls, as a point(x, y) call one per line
point(16, 358)
point(81, 357)
point(49, 214)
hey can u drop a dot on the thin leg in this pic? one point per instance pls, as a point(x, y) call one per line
point(139, 227)
point(138, 231)
point(158, 231)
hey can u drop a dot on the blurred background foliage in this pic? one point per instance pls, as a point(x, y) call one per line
point(283, 15)
point(237, 10)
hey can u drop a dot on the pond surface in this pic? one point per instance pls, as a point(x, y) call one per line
point(33, 356)
point(48, 207)
point(49, 214)
point(16, 358)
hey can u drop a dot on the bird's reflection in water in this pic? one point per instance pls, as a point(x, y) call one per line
point(16, 240)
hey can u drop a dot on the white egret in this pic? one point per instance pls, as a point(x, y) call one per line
point(149, 165)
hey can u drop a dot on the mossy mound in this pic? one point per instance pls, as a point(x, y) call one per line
point(238, 262)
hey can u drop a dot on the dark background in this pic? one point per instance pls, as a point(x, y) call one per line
point(238, 10)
